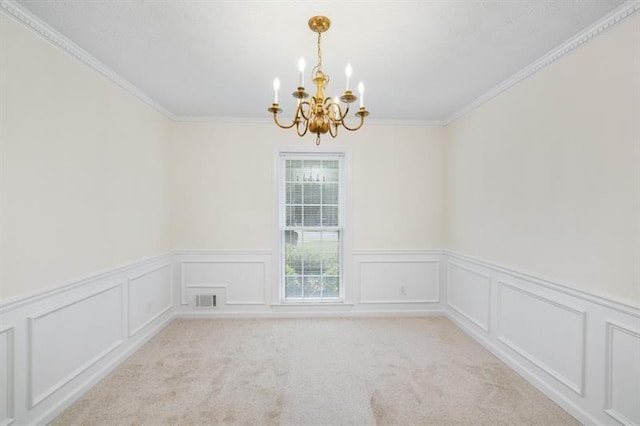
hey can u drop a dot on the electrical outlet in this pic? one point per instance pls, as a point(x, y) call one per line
point(403, 290)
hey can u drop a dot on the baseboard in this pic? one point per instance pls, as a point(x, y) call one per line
point(308, 314)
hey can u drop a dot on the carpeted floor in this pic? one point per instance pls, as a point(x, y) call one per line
point(365, 371)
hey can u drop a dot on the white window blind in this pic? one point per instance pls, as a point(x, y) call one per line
point(311, 226)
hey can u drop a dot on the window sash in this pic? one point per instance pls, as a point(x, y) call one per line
point(312, 285)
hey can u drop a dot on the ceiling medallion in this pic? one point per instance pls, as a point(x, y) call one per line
point(320, 115)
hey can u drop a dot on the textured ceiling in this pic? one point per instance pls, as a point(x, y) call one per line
point(419, 60)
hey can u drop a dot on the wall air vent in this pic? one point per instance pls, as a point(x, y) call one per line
point(205, 300)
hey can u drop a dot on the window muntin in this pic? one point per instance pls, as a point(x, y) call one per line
point(311, 228)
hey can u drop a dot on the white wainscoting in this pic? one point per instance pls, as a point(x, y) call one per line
point(469, 294)
point(547, 333)
point(240, 280)
point(383, 283)
point(622, 376)
point(150, 296)
point(57, 344)
point(52, 332)
point(398, 281)
point(6, 375)
point(581, 350)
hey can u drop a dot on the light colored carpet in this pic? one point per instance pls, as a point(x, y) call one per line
point(365, 371)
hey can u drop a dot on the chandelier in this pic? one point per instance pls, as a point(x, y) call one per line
point(320, 114)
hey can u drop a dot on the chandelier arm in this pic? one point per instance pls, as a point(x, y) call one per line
point(302, 113)
point(329, 108)
point(343, 116)
point(306, 128)
point(333, 129)
point(353, 129)
point(284, 126)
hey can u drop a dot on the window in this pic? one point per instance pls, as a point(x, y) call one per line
point(311, 211)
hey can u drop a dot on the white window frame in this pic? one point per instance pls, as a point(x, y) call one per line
point(315, 153)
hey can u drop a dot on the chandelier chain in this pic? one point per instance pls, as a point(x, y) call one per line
point(319, 53)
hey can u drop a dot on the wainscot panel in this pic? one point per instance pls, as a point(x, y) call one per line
point(581, 350)
point(239, 280)
point(547, 333)
point(623, 373)
point(57, 344)
point(150, 296)
point(469, 294)
point(66, 340)
point(6, 374)
point(401, 281)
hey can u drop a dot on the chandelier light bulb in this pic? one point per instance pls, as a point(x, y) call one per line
point(361, 92)
point(301, 65)
point(348, 71)
point(276, 87)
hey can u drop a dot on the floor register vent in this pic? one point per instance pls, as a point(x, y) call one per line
point(205, 300)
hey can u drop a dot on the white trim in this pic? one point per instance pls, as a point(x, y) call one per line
point(225, 286)
point(401, 301)
point(486, 328)
point(219, 286)
point(34, 400)
point(41, 28)
point(343, 155)
point(160, 313)
point(224, 253)
point(128, 349)
point(18, 301)
point(576, 387)
point(269, 120)
point(609, 20)
point(292, 313)
point(147, 272)
point(9, 329)
point(553, 285)
point(149, 321)
point(608, 393)
point(567, 404)
point(426, 252)
point(405, 302)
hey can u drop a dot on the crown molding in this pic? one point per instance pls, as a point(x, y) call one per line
point(20, 14)
point(221, 119)
point(612, 18)
point(269, 120)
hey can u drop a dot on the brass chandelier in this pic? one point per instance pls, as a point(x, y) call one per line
point(320, 115)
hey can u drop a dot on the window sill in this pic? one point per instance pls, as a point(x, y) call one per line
point(316, 306)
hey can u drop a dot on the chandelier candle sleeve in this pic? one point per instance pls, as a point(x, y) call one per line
point(276, 87)
point(348, 71)
point(361, 92)
point(301, 65)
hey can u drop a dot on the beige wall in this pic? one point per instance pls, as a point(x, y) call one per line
point(546, 176)
point(223, 185)
point(82, 168)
